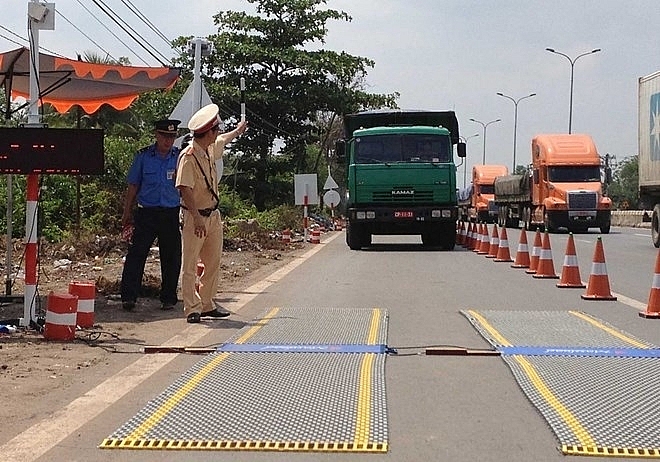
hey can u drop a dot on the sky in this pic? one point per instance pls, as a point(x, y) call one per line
point(439, 55)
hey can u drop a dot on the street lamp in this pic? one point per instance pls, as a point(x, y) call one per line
point(572, 61)
point(485, 125)
point(515, 122)
point(465, 140)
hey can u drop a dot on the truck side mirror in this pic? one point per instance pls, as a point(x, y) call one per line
point(460, 149)
point(340, 149)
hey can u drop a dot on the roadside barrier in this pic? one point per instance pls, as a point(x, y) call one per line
point(61, 317)
point(503, 249)
point(494, 243)
point(316, 236)
point(522, 254)
point(86, 293)
point(598, 287)
point(570, 272)
point(536, 251)
point(286, 236)
point(545, 268)
point(653, 307)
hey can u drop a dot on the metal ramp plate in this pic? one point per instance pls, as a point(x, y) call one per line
point(302, 399)
point(600, 404)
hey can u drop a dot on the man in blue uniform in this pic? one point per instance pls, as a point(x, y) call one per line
point(151, 187)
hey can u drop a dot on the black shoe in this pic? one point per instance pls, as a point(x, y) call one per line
point(167, 306)
point(216, 313)
point(193, 318)
point(128, 306)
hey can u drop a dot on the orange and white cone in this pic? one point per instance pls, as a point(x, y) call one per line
point(468, 237)
point(653, 308)
point(478, 236)
point(545, 268)
point(598, 287)
point(463, 234)
point(494, 243)
point(570, 272)
point(536, 251)
point(503, 250)
point(522, 255)
point(484, 247)
point(460, 233)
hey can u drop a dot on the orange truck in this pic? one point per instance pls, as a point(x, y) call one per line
point(563, 188)
point(475, 203)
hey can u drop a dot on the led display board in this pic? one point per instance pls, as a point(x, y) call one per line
point(62, 151)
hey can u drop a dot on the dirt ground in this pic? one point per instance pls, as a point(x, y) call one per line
point(30, 366)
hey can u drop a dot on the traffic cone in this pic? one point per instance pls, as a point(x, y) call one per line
point(459, 234)
point(653, 308)
point(494, 243)
point(463, 234)
point(598, 287)
point(570, 272)
point(503, 250)
point(545, 268)
point(536, 251)
point(478, 236)
point(485, 241)
point(522, 255)
point(468, 237)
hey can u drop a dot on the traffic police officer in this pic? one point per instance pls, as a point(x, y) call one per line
point(197, 181)
point(151, 184)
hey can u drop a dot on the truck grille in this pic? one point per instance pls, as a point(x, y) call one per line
point(582, 200)
point(387, 196)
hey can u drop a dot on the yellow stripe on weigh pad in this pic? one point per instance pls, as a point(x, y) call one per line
point(542, 347)
point(282, 401)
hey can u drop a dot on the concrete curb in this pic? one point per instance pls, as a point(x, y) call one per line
point(632, 218)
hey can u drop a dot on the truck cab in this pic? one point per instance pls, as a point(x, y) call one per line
point(479, 205)
point(401, 177)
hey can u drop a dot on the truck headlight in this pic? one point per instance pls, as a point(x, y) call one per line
point(360, 215)
point(371, 214)
point(436, 213)
point(446, 213)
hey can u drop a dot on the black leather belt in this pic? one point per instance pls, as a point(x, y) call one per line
point(205, 212)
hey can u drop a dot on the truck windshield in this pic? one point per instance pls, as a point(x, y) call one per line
point(486, 189)
point(575, 174)
point(402, 148)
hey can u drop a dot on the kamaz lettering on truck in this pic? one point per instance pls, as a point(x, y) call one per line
point(401, 177)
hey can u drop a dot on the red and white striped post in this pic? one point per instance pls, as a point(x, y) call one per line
point(32, 198)
point(305, 203)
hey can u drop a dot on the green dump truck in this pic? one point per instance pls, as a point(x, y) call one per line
point(401, 177)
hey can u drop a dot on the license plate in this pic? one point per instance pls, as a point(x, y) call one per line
point(403, 214)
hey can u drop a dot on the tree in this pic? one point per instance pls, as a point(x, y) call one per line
point(624, 189)
point(289, 86)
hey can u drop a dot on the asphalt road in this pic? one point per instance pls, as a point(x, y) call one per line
point(440, 408)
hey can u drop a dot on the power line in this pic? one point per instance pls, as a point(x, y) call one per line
point(146, 20)
point(115, 18)
point(113, 34)
point(87, 36)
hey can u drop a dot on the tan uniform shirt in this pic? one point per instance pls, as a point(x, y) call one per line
point(188, 173)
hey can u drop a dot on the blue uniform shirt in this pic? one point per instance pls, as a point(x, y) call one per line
point(155, 176)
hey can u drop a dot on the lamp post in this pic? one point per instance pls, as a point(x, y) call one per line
point(485, 125)
point(515, 121)
point(465, 140)
point(572, 61)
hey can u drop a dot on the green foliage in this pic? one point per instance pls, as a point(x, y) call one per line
point(624, 189)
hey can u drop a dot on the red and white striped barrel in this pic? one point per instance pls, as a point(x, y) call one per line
point(286, 236)
point(86, 292)
point(316, 236)
point(61, 316)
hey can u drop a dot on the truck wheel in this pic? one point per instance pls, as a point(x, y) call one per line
point(355, 237)
point(605, 228)
point(655, 226)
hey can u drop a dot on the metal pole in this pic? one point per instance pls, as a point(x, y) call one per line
point(465, 140)
point(515, 122)
point(572, 61)
point(485, 125)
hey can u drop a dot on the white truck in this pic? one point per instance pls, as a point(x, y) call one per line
point(649, 149)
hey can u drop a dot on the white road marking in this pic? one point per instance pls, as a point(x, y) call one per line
point(43, 436)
